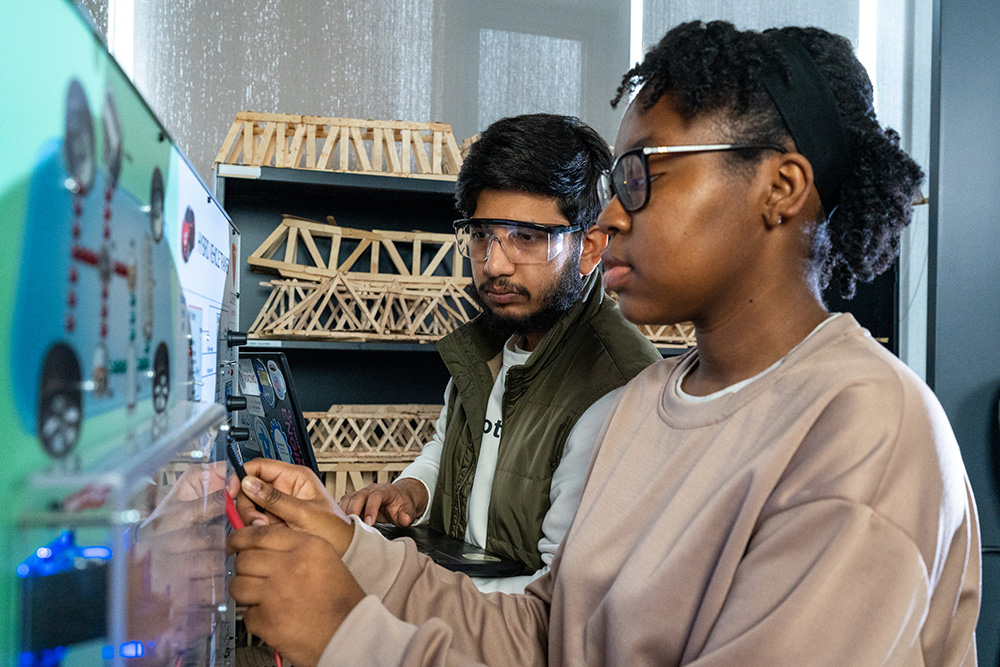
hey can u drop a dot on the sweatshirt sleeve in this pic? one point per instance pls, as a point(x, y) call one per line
point(426, 467)
point(370, 635)
point(418, 613)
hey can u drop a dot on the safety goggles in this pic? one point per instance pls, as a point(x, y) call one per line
point(628, 178)
point(522, 242)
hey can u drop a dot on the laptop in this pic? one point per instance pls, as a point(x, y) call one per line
point(454, 554)
point(277, 429)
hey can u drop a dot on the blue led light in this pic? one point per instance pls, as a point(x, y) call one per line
point(132, 650)
point(61, 555)
point(103, 553)
point(107, 652)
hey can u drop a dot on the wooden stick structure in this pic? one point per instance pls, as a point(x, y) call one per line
point(315, 250)
point(371, 432)
point(349, 284)
point(466, 144)
point(669, 335)
point(345, 309)
point(321, 143)
point(357, 445)
point(343, 478)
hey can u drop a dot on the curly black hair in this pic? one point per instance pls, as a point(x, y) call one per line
point(713, 67)
point(542, 154)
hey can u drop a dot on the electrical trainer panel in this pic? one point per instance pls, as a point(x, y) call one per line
point(118, 267)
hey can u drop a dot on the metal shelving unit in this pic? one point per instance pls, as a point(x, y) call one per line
point(329, 372)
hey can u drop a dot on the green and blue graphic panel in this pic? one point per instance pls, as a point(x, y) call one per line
point(114, 260)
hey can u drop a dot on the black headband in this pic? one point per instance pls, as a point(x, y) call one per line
point(809, 110)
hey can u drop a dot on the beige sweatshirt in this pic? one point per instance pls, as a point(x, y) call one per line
point(819, 516)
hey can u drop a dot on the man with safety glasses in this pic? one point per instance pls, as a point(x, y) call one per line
point(534, 374)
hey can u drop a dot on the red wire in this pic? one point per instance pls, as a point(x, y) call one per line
point(232, 514)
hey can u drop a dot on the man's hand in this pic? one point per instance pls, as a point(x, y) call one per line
point(292, 495)
point(296, 589)
point(401, 502)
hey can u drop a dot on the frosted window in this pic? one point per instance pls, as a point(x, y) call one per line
point(199, 62)
point(838, 16)
point(521, 73)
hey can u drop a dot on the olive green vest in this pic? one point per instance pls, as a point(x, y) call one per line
point(590, 351)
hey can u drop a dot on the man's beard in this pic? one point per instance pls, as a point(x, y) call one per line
point(558, 299)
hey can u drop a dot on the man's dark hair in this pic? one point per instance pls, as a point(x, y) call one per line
point(541, 154)
point(715, 68)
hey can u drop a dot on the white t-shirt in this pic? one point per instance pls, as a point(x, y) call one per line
point(567, 479)
point(489, 448)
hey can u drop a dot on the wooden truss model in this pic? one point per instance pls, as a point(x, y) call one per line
point(669, 335)
point(351, 284)
point(378, 254)
point(346, 309)
point(466, 145)
point(360, 444)
point(394, 148)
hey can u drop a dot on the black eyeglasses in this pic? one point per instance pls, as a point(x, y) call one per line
point(629, 179)
point(522, 242)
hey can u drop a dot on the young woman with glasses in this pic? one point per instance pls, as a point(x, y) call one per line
point(787, 493)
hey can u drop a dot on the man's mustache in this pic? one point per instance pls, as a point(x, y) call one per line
point(502, 285)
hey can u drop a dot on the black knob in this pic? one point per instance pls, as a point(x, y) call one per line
point(239, 433)
point(236, 338)
point(236, 403)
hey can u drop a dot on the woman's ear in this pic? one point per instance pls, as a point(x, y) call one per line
point(791, 189)
point(594, 243)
